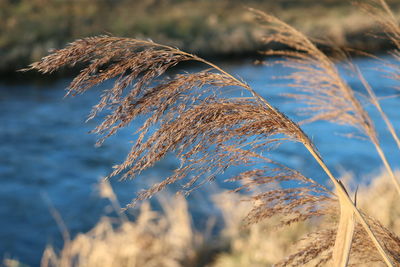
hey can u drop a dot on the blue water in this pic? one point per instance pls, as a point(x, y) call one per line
point(48, 159)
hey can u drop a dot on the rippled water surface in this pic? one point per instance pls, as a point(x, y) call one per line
point(48, 159)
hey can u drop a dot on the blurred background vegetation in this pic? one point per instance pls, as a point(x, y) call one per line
point(29, 28)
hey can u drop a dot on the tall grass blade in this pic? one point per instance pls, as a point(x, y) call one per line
point(344, 235)
point(374, 100)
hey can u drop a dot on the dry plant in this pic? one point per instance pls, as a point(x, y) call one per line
point(379, 10)
point(200, 117)
point(302, 200)
point(169, 238)
point(319, 86)
point(187, 114)
point(262, 244)
point(7, 262)
point(155, 239)
point(382, 13)
point(384, 207)
point(298, 204)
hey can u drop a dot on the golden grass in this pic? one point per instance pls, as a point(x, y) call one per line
point(168, 238)
point(153, 239)
point(320, 88)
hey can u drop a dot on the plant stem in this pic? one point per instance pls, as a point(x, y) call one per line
point(339, 187)
point(389, 125)
point(342, 191)
point(387, 166)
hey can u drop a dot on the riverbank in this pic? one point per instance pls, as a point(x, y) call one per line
point(169, 237)
point(223, 29)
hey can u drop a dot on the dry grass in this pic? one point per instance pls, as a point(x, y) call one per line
point(203, 119)
point(263, 244)
point(326, 96)
point(379, 10)
point(169, 239)
point(152, 240)
point(320, 88)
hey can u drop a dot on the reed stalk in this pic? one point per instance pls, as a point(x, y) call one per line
point(342, 193)
point(348, 202)
point(374, 100)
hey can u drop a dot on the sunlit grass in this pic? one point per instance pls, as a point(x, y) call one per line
point(168, 238)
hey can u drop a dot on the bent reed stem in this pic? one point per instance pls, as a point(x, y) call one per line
point(338, 185)
point(387, 166)
point(375, 102)
point(389, 125)
point(342, 191)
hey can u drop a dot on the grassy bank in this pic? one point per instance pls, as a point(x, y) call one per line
point(29, 28)
point(168, 238)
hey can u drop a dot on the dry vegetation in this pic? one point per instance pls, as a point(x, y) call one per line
point(214, 121)
point(152, 240)
point(168, 238)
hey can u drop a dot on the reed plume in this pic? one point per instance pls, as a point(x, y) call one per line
point(381, 12)
point(317, 247)
point(306, 199)
point(196, 116)
point(303, 200)
point(325, 95)
point(187, 114)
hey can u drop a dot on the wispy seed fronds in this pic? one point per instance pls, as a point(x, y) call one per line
point(186, 113)
point(317, 247)
point(317, 80)
point(208, 138)
point(381, 12)
point(325, 95)
point(279, 191)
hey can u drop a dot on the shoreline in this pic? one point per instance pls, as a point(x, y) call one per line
point(14, 76)
point(217, 30)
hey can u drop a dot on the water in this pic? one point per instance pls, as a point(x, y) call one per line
point(48, 159)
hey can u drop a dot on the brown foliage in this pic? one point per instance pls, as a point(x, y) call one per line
point(304, 199)
point(318, 83)
point(317, 246)
point(189, 113)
